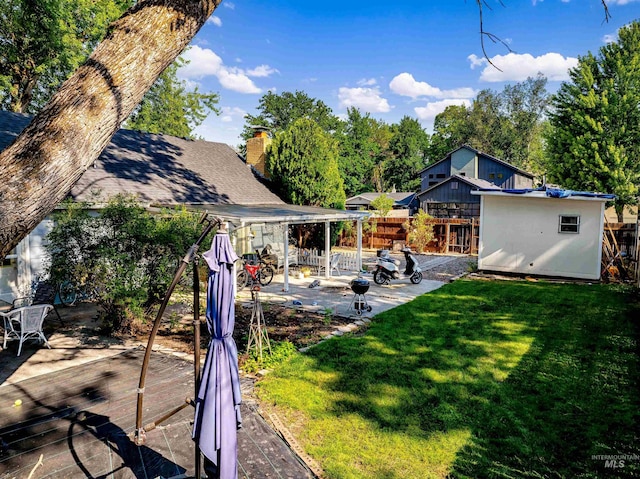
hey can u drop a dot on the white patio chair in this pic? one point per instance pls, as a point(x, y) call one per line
point(25, 323)
point(334, 259)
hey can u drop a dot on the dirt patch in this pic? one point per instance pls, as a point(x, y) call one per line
point(301, 328)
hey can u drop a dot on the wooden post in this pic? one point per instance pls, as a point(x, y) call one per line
point(473, 235)
point(447, 234)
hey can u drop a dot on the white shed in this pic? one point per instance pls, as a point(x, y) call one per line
point(549, 233)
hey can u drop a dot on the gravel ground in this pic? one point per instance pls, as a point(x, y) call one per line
point(442, 267)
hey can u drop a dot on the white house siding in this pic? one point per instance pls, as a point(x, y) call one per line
point(28, 262)
point(519, 234)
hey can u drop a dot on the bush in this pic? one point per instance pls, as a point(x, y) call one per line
point(125, 255)
point(420, 230)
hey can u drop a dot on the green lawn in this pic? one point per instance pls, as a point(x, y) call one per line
point(476, 379)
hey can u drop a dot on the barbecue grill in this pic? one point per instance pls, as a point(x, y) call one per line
point(359, 286)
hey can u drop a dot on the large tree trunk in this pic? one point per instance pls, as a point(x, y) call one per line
point(39, 169)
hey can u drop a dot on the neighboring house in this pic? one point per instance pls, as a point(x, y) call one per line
point(550, 233)
point(405, 204)
point(162, 170)
point(158, 169)
point(447, 184)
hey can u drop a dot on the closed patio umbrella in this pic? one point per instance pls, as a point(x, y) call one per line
point(217, 414)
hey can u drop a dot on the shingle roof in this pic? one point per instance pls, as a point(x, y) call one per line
point(161, 169)
point(473, 182)
point(366, 198)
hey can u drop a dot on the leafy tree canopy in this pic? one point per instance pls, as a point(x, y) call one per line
point(408, 147)
point(303, 161)
point(42, 42)
point(593, 142)
point(383, 204)
point(278, 111)
point(169, 107)
point(362, 145)
point(506, 124)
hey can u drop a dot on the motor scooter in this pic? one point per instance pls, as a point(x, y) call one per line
point(387, 268)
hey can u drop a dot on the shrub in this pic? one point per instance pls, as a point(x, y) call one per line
point(420, 230)
point(125, 255)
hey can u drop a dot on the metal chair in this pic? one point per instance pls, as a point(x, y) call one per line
point(44, 293)
point(25, 323)
point(334, 260)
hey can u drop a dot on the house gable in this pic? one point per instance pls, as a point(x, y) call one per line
point(471, 163)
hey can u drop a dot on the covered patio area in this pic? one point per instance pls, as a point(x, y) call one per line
point(240, 219)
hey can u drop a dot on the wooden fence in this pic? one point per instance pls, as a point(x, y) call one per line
point(452, 235)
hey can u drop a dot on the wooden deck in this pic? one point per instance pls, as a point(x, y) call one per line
point(79, 419)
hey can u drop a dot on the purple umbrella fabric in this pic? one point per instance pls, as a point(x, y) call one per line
point(217, 415)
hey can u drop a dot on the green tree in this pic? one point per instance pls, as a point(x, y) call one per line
point(278, 111)
point(408, 147)
point(383, 204)
point(170, 108)
point(506, 124)
point(303, 161)
point(361, 149)
point(44, 41)
point(594, 138)
point(451, 129)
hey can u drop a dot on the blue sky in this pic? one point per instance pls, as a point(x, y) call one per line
point(390, 59)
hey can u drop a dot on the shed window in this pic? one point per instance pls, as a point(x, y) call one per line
point(430, 175)
point(454, 185)
point(500, 175)
point(492, 176)
point(431, 183)
point(569, 224)
point(441, 175)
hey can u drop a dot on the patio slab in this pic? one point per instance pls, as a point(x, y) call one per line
point(335, 294)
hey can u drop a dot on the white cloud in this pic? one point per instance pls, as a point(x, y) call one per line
point(367, 99)
point(229, 5)
point(231, 113)
point(620, 2)
point(367, 82)
point(518, 67)
point(404, 84)
point(215, 20)
point(430, 110)
point(261, 71)
point(204, 62)
point(236, 80)
point(609, 38)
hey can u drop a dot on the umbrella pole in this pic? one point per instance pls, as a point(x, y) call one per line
point(196, 351)
point(139, 435)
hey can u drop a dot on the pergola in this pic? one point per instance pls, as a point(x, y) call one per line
point(240, 216)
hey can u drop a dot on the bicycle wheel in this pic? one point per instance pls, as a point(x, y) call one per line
point(265, 274)
point(242, 279)
point(68, 293)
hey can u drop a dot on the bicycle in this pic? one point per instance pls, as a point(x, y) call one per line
point(254, 271)
point(69, 293)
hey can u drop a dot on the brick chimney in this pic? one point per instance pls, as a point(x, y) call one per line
point(256, 149)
